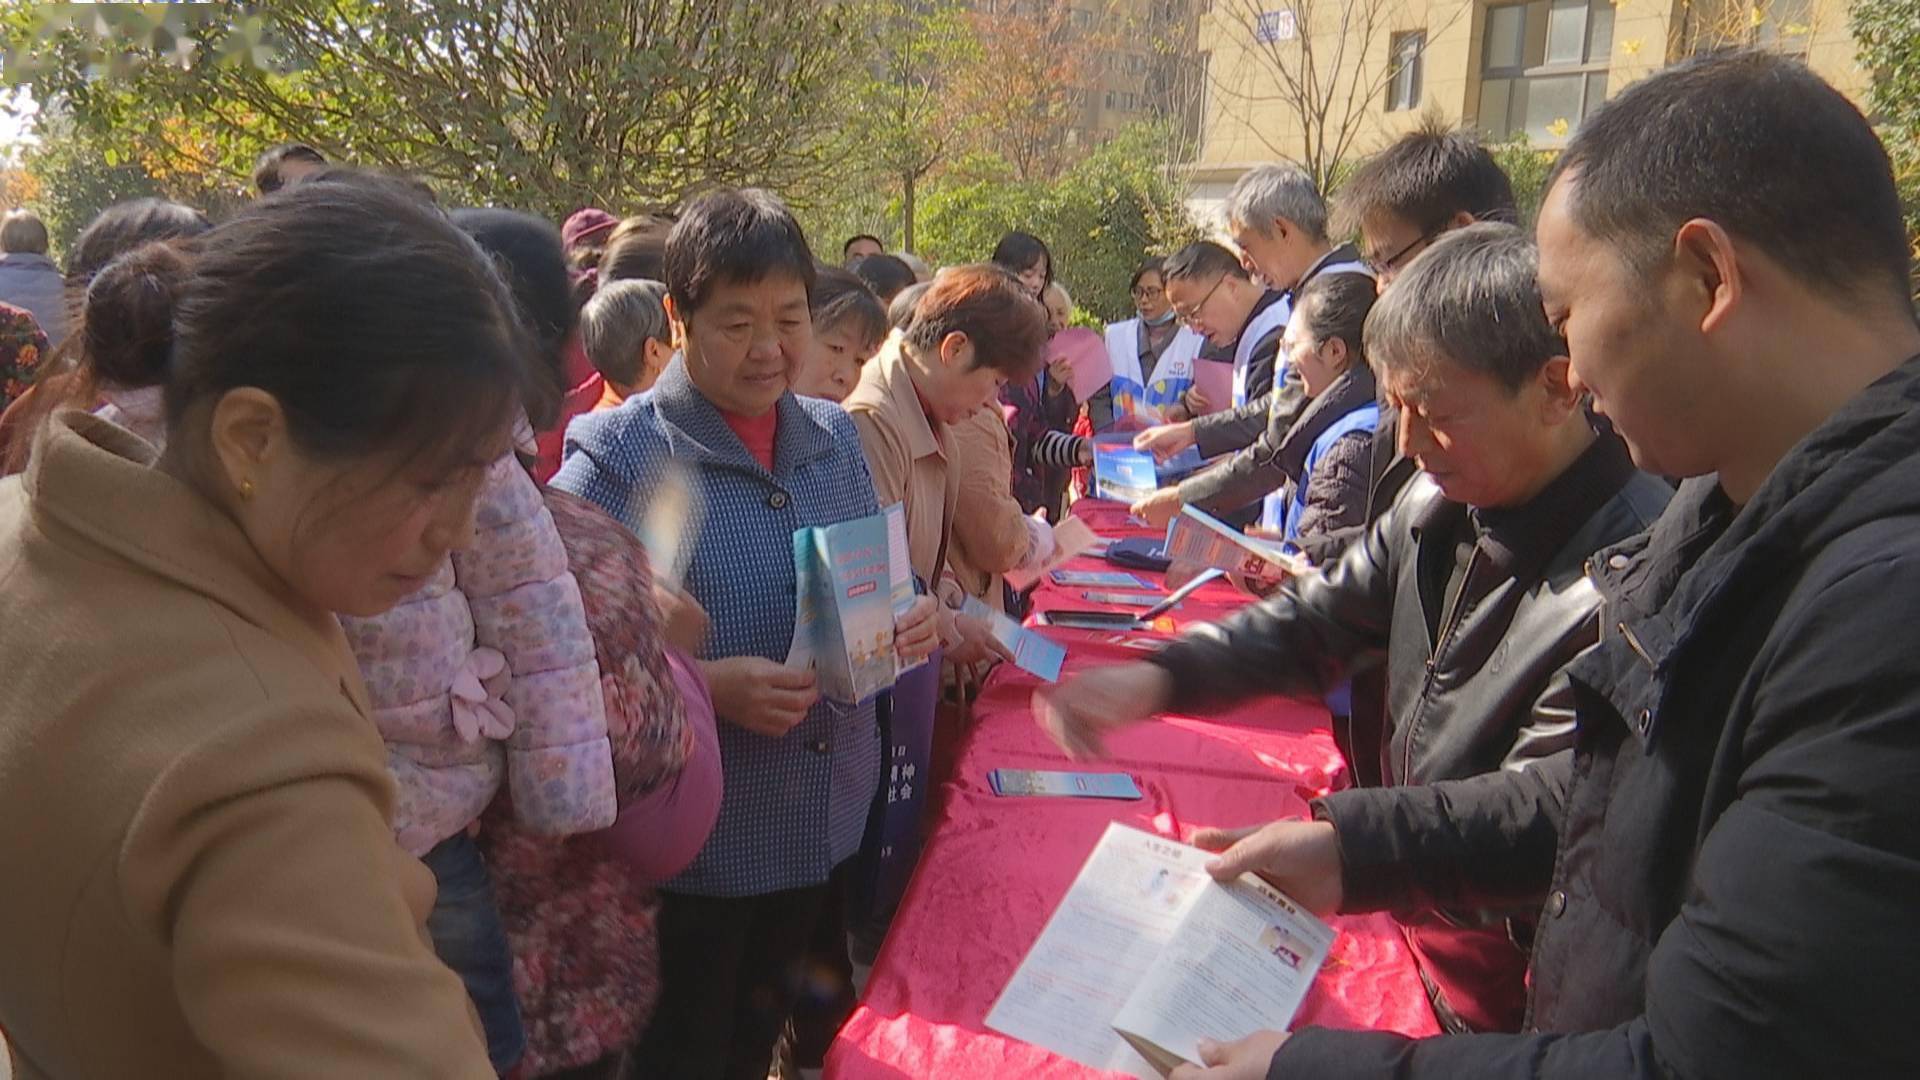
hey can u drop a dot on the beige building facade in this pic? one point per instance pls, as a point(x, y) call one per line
point(1373, 69)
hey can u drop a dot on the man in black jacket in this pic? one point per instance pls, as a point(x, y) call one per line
point(1729, 859)
point(1469, 590)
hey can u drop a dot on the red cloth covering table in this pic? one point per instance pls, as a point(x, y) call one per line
point(994, 868)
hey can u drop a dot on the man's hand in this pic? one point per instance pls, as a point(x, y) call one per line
point(1247, 1059)
point(1079, 712)
point(1300, 858)
point(1158, 508)
point(682, 620)
point(759, 695)
point(916, 631)
point(1166, 440)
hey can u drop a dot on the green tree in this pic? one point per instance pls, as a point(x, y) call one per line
point(1100, 218)
point(1890, 48)
point(546, 104)
point(1527, 168)
point(903, 109)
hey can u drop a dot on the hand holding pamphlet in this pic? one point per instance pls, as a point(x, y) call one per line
point(1147, 955)
point(1085, 352)
point(1071, 538)
point(1196, 539)
point(852, 580)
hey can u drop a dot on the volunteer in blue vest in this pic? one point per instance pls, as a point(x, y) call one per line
point(1276, 217)
point(1327, 451)
point(1153, 357)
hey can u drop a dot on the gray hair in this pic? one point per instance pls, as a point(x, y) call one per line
point(23, 233)
point(1277, 192)
point(617, 321)
point(1472, 299)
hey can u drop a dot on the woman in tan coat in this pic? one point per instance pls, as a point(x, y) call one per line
point(194, 806)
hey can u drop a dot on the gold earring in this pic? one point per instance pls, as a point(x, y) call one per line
point(246, 490)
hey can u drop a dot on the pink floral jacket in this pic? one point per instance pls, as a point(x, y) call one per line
point(488, 673)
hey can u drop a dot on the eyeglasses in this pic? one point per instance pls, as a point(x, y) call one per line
point(1193, 313)
point(1148, 292)
point(1381, 266)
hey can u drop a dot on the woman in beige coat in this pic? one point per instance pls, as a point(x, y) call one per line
point(194, 807)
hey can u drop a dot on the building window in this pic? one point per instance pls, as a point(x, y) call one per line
point(1403, 88)
point(1543, 67)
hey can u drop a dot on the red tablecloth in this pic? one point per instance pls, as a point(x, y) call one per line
point(994, 869)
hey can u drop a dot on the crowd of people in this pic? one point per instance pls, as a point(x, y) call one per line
point(353, 729)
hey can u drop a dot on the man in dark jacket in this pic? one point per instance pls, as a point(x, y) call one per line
point(1728, 860)
point(1469, 590)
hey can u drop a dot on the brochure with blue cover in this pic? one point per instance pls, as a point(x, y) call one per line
point(1032, 651)
point(851, 580)
point(1068, 785)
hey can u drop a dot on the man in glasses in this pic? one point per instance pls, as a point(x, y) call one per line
point(1212, 292)
point(1468, 593)
point(1278, 220)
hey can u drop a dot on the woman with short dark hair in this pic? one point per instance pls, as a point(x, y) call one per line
point(800, 772)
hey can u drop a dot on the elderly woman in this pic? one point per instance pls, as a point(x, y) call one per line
point(799, 771)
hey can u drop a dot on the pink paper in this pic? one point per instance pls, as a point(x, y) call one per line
point(1086, 352)
point(1214, 378)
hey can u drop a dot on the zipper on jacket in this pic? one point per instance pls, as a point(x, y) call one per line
point(1439, 646)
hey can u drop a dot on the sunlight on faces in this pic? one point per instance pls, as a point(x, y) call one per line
point(1198, 303)
point(1279, 256)
point(747, 342)
point(834, 367)
point(1483, 444)
point(1389, 236)
point(355, 536)
point(1034, 277)
point(1634, 346)
point(1150, 296)
point(1058, 313)
point(954, 388)
point(1318, 364)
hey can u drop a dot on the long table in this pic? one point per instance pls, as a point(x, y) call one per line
point(994, 869)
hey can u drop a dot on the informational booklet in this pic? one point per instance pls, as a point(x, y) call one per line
point(1033, 652)
point(1120, 472)
point(1147, 955)
point(1065, 785)
point(1071, 539)
point(851, 581)
point(1196, 539)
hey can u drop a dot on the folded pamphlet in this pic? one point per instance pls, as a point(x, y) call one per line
point(1147, 955)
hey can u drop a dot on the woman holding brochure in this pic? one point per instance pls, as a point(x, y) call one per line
point(799, 772)
point(974, 331)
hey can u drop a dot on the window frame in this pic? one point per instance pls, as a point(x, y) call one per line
point(1400, 64)
point(1525, 73)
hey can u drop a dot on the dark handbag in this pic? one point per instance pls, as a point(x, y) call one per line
point(1140, 553)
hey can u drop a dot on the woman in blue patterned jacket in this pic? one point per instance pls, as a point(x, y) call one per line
point(800, 772)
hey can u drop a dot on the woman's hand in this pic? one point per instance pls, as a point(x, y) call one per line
point(1166, 440)
point(1300, 858)
point(968, 640)
point(1079, 713)
point(916, 631)
point(1247, 1059)
point(683, 621)
point(759, 695)
point(1060, 373)
point(1158, 508)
